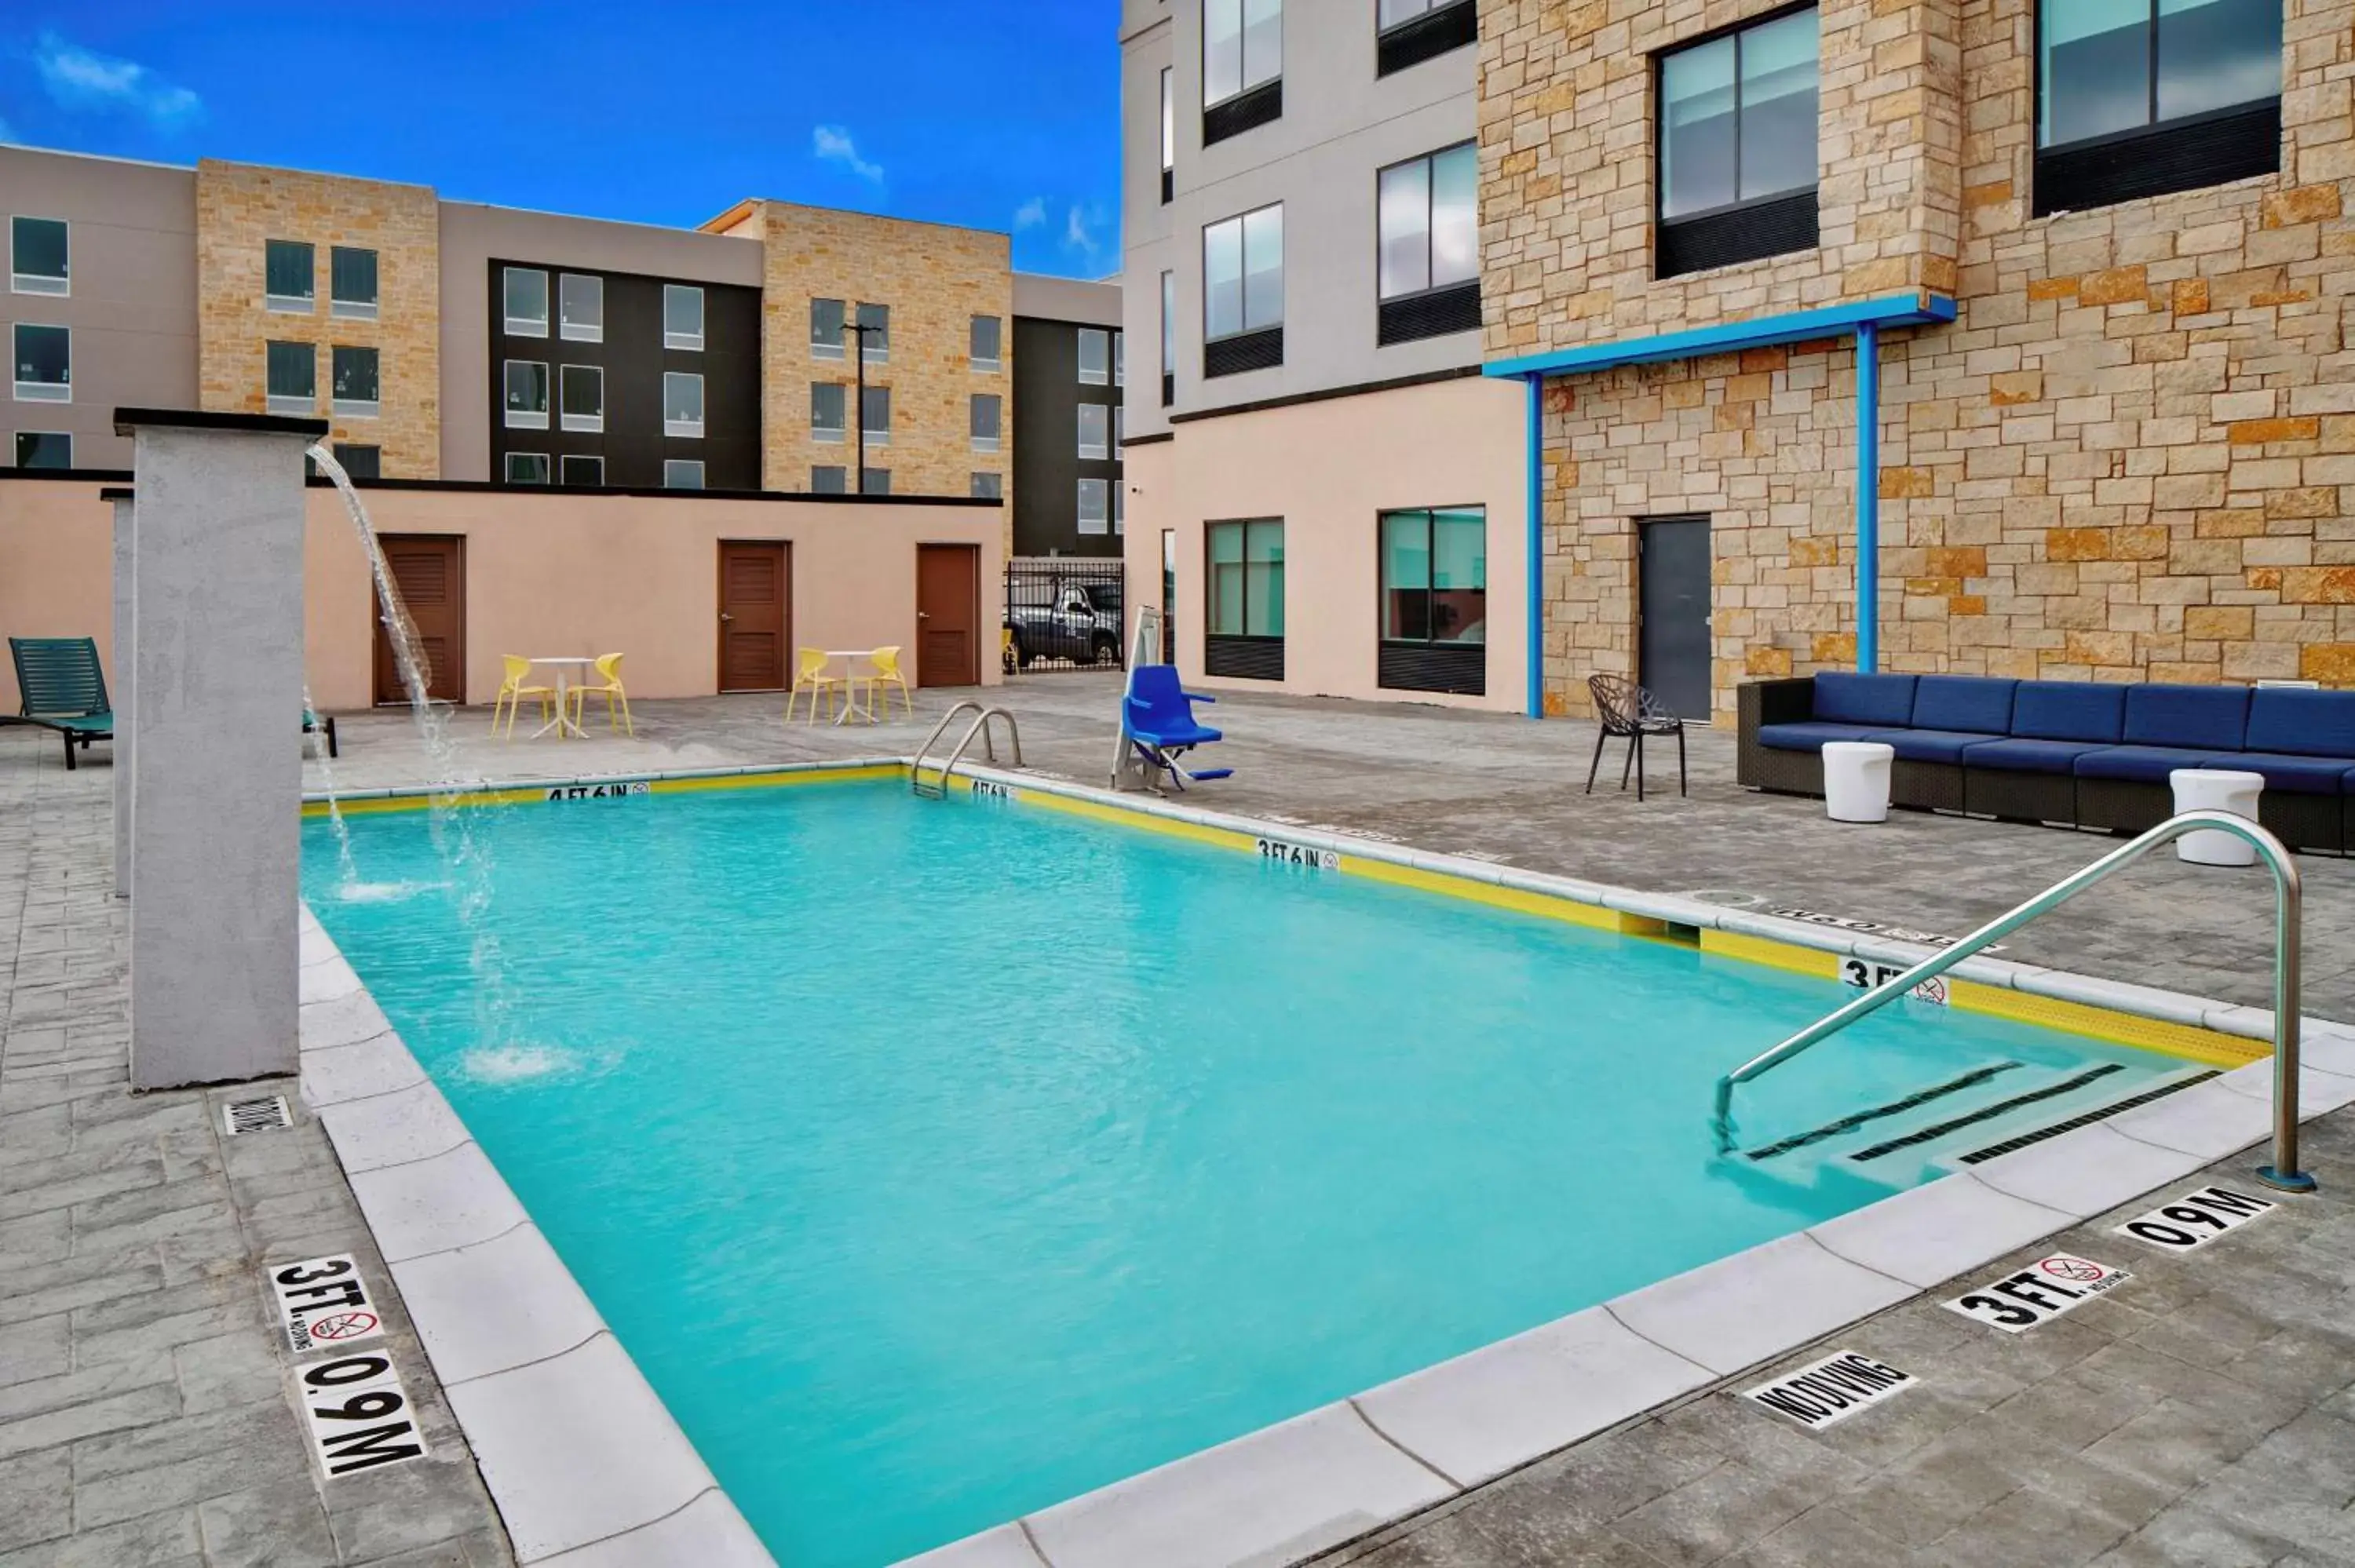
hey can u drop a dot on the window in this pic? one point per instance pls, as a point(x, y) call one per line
point(984, 417)
point(1434, 604)
point(526, 382)
point(1169, 338)
point(37, 261)
point(527, 468)
point(985, 337)
point(1168, 136)
point(829, 480)
point(827, 401)
point(360, 462)
point(1245, 615)
point(581, 389)
point(1428, 245)
point(1242, 66)
point(1410, 32)
point(351, 283)
point(287, 280)
point(54, 448)
point(988, 487)
point(1095, 506)
point(875, 417)
point(1119, 429)
point(1119, 507)
point(581, 308)
point(1242, 292)
point(1095, 356)
point(826, 329)
point(585, 470)
point(1737, 144)
point(526, 302)
point(875, 333)
point(291, 372)
point(682, 404)
point(1096, 425)
point(683, 317)
point(877, 482)
point(682, 473)
point(2138, 98)
point(355, 385)
point(44, 363)
point(1119, 359)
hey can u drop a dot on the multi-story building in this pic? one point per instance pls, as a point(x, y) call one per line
point(1974, 335)
point(455, 341)
point(1069, 498)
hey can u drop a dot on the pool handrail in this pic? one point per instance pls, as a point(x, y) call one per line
point(2288, 896)
point(980, 727)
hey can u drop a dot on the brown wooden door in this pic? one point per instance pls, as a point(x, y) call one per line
point(948, 610)
point(429, 570)
point(755, 586)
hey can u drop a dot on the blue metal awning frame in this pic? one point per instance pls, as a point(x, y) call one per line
point(1862, 319)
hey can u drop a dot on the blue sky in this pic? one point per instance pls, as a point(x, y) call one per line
point(997, 113)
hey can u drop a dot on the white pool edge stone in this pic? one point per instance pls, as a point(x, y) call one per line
point(588, 1469)
point(1288, 1491)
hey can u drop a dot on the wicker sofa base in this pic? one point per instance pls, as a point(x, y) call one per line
point(2020, 796)
point(1926, 785)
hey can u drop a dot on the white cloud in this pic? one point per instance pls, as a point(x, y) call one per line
point(78, 78)
point(1030, 214)
point(1080, 231)
point(832, 143)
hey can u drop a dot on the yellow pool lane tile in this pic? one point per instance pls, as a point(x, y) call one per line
point(782, 779)
point(1815, 961)
point(1544, 904)
point(1224, 838)
point(2206, 1047)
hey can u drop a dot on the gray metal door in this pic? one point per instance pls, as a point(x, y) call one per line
point(1673, 649)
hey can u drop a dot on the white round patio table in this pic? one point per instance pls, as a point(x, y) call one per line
point(2216, 790)
point(851, 683)
point(566, 670)
point(1855, 779)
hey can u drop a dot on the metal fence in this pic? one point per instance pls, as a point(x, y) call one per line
point(1063, 613)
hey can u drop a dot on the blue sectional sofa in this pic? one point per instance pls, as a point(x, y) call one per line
point(2064, 751)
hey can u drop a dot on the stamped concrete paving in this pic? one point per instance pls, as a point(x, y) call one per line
point(145, 1408)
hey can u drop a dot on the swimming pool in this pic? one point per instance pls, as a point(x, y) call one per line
point(939, 1161)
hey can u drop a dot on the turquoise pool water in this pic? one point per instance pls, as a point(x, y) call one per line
point(942, 1160)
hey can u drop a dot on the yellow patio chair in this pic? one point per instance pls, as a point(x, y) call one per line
point(887, 674)
point(512, 692)
point(809, 675)
point(609, 667)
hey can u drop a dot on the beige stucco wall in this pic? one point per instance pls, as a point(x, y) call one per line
point(546, 575)
point(1328, 468)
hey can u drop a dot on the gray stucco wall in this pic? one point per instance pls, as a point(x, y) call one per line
point(131, 262)
point(1340, 124)
point(1042, 298)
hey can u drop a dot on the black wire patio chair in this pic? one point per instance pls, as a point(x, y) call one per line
point(1623, 708)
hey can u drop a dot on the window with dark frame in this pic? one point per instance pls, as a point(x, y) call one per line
point(580, 398)
point(1243, 613)
point(44, 362)
point(2143, 98)
point(1409, 32)
point(1168, 134)
point(1434, 601)
point(875, 417)
point(351, 283)
point(289, 282)
point(984, 346)
point(44, 448)
point(353, 389)
point(1242, 66)
point(527, 468)
point(291, 378)
point(682, 473)
point(524, 292)
point(826, 317)
point(1242, 292)
point(879, 483)
point(988, 487)
point(360, 462)
point(38, 259)
point(1737, 145)
point(875, 335)
point(527, 394)
point(1094, 503)
point(982, 418)
point(580, 307)
point(1169, 338)
point(581, 470)
point(829, 404)
point(829, 478)
point(1428, 245)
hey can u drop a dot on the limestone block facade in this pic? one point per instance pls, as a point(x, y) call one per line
point(2132, 455)
point(935, 278)
point(240, 207)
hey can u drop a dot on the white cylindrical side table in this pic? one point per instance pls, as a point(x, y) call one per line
point(2216, 790)
point(1856, 780)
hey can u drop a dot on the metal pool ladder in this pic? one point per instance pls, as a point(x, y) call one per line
point(2283, 1172)
point(939, 791)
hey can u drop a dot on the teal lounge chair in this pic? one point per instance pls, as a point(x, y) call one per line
point(63, 688)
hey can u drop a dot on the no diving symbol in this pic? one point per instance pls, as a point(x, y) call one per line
point(342, 1326)
point(2075, 1269)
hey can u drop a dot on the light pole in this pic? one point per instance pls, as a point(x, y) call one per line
point(858, 424)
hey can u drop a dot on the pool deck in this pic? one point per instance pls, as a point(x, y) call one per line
point(2200, 1415)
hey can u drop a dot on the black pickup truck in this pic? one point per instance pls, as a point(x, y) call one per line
point(1065, 620)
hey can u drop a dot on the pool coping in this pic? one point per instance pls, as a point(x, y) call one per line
point(489, 1296)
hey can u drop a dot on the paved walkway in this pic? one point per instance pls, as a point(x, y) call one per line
point(146, 1409)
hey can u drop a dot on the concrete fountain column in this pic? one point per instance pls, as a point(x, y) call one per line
point(215, 760)
point(124, 665)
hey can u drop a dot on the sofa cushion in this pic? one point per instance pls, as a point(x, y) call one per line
point(1980, 703)
point(1850, 698)
point(2211, 716)
point(2299, 723)
point(2291, 774)
point(1810, 736)
point(2138, 764)
point(2017, 756)
point(2069, 710)
point(1929, 744)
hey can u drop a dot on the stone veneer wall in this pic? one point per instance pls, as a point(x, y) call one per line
point(239, 207)
point(935, 278)
point(2132, 456)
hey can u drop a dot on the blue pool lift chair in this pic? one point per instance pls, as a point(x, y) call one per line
point(1156, 719)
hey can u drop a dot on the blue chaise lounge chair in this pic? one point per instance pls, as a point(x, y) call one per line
point(1157, 718)
point(63, 688)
